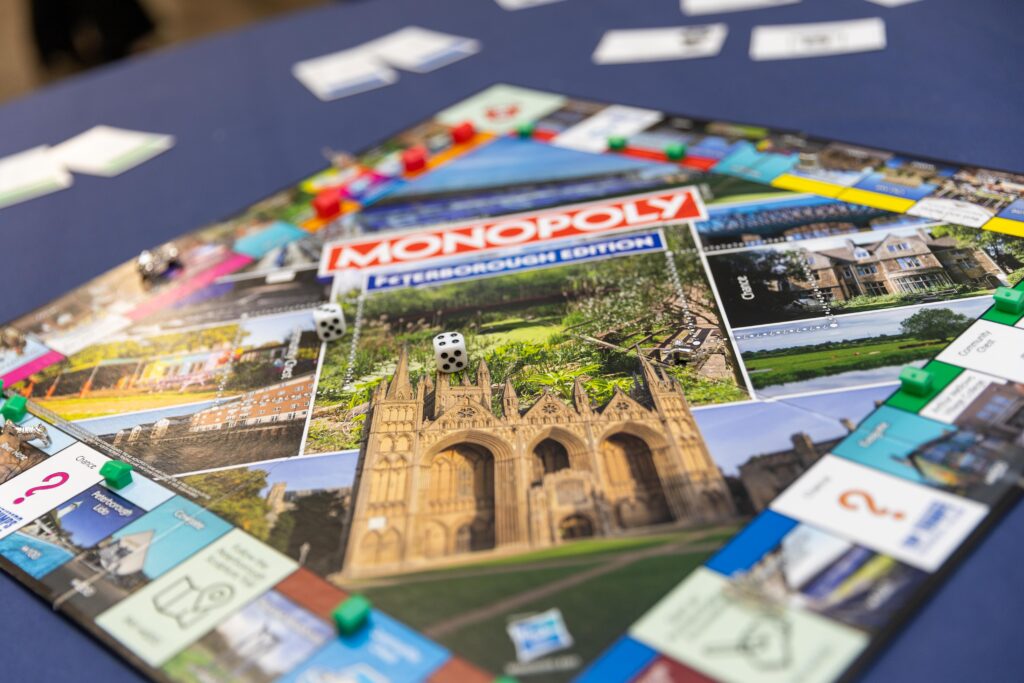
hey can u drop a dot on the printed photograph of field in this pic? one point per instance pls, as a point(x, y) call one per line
point(861, 349)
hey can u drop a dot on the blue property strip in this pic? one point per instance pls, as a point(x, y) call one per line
point(750, 545)
point(621, 662)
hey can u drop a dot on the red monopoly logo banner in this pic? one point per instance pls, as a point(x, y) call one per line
point(650, 209)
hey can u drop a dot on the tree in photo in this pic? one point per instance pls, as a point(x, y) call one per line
point(1006, 250)
point(935, 324)
point(236, 496)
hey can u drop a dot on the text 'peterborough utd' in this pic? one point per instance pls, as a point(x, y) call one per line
point(459, 239)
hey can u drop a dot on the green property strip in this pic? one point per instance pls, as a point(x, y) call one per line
point(942, 375)
point(996, 316)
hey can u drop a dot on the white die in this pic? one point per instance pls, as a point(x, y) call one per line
point(450, 352)
point(330, 321)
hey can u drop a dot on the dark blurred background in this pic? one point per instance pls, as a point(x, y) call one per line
point(45, 40)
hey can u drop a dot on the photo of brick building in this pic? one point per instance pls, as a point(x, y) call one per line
point(278, 403)
point(899, 264)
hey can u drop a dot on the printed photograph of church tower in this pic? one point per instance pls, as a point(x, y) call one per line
point(451, 474)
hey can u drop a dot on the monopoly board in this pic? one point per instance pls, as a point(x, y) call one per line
point(681, 449)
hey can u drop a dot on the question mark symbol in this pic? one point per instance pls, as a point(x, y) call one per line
point(847, 500)
point(62, 476)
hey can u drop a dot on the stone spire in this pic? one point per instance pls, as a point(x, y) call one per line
point(579, 396)
point(654, 380)
point(401, 388)
point(380, 390)
point(509, 401)
point(442, 387)
point(483, 380)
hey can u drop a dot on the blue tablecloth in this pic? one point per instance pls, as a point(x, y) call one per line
point(947, 86)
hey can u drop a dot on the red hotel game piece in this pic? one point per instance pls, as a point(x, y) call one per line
point(463, 133)
point(414, 159)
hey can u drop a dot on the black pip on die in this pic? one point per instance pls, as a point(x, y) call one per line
point(450, 351)
point(330, 321)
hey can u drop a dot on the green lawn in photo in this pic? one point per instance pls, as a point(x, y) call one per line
point(75, 408)
point(744, 198)
point(618, 580)
point(801, 363)
point(596, 612)
point(196, 665)
point(860, 304)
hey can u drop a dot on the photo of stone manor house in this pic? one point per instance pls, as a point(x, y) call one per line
point(445, 474)
point(896, 264)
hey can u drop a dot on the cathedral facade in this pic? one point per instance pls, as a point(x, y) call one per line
point(445, 474)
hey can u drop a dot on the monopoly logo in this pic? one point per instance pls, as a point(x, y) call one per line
point(622, 213)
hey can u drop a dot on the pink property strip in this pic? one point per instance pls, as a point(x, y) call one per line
point(229, 265)
point(43, 361)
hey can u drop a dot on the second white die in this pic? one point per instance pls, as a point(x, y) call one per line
point(330, 321)
point(450, 351)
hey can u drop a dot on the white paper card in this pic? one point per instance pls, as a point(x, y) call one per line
point(345, 73)
point(659, 44)
point(42, 488)
point(108, 151)
point(421, 50)
point(910, 522)
point(697, 7)
point(988, 347)
point(892, 3)
point(29, 174)
point(591, 135)
point(511, 5)
point(957, 396)
point(795, 41)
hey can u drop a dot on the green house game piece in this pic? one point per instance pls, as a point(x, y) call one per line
point(675, 152)
point(1009, 300)
point(116, 473)
point(915, 381)
point(14, 408)
point(617, 143)
point(351, 614)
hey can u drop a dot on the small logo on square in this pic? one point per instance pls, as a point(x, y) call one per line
point(539, 635)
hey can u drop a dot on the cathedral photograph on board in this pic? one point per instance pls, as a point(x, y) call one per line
point(562, 469)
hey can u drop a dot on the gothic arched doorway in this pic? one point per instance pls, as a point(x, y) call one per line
point(575, 526)
point(635, 489)
point(461, 483)
point(549, 456)
point(434, 540)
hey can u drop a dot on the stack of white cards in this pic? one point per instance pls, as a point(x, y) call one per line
point(29, 174)
point(523, 4)
point(369, 66)
point(101, 151)
point(785, 41)
point(697, 7)
point(795, 41)
point(107, 151)
point(660, 44)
